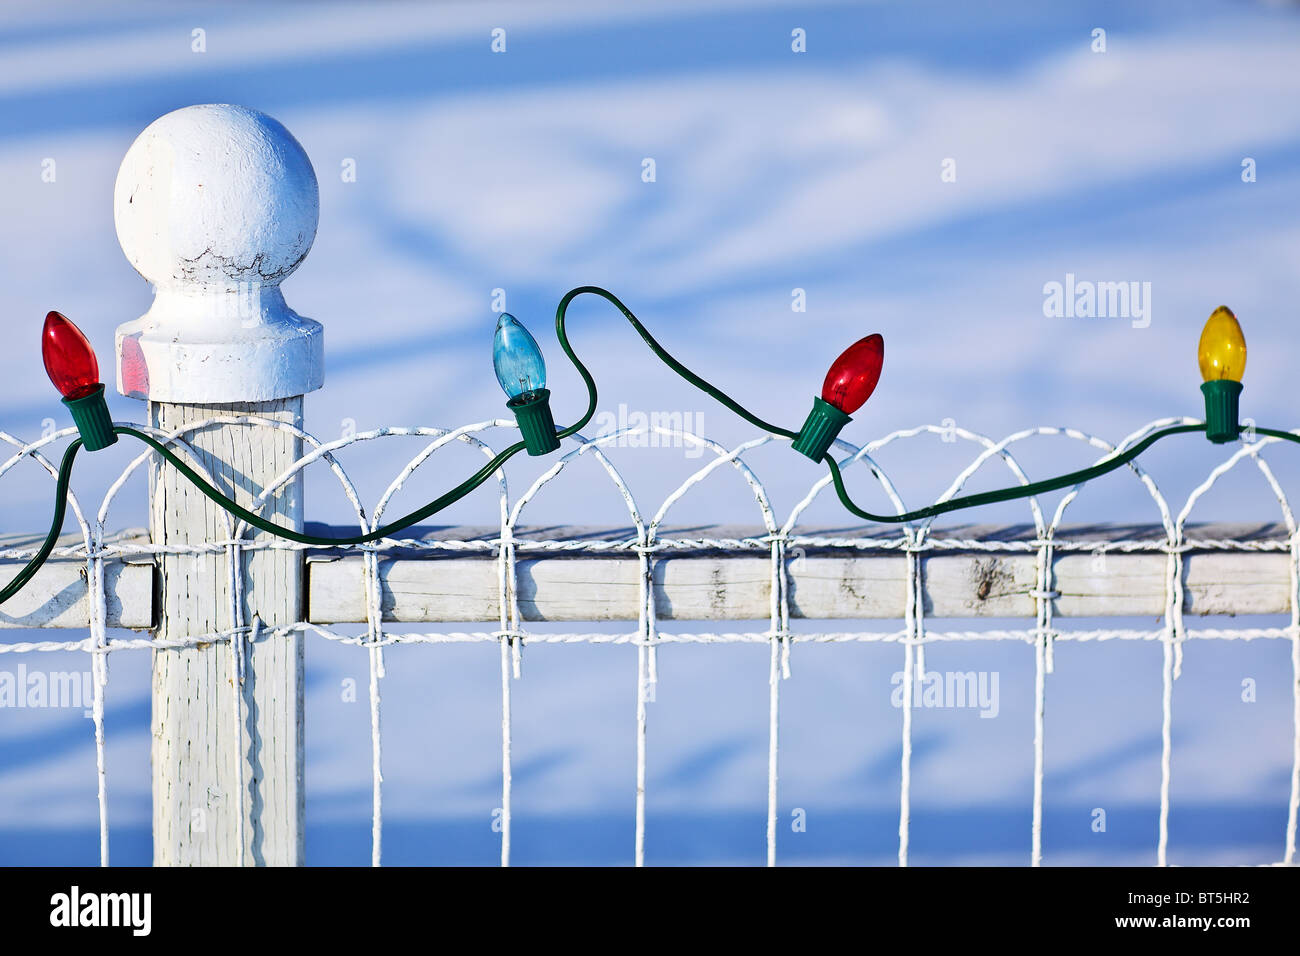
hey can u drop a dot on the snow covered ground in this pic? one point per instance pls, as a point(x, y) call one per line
point(774, 171)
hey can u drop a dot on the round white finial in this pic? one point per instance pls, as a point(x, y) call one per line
point(217, 195)
point(215, 205)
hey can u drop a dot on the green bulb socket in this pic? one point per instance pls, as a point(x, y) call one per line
point(533, 413)
point(820, 429)
point(90, 414)
point(1222, 397)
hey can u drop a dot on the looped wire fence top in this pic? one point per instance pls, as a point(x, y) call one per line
point(647, 542)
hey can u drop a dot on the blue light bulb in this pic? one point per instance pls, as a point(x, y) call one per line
point(518, 361)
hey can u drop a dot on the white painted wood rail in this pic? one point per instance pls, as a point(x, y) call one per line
point(59, 593)
point(1098, 572)
point(851, 579)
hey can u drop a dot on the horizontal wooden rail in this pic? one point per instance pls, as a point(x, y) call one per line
point(1093, 576)
point(825, 582)
point(57, 596)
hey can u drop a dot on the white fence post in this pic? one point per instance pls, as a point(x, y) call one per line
point(215, 205)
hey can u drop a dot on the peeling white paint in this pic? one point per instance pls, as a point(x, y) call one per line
point(216, 205)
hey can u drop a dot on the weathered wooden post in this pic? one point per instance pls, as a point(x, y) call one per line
point(215, 205)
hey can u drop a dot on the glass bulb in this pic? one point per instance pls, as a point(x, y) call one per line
point(69, 360)
point(1222, 351)
point(853, 376)
point(518, 361)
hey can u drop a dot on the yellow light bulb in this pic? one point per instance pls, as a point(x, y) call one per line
point(1222, 352)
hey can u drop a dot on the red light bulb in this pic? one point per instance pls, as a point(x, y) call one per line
point(69, 360)
point(853, 376)
point(849, 383)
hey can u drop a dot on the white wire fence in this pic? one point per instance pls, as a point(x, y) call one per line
point(779, 539)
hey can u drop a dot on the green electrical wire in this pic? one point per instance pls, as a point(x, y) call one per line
point(710, 390)
point(1102, 467)
point(1009, 494)
point(65, 475)
point(1275, 433)
point(387, 531)
point(464, 488)
point(966, 501)
point(56, 526)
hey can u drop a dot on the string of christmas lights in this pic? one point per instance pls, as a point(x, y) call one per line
point(521, 370)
